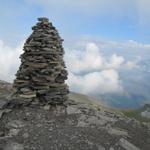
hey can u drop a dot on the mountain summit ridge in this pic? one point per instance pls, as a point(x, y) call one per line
point(83, 124)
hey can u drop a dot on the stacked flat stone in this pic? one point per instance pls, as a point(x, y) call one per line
point(42, 72)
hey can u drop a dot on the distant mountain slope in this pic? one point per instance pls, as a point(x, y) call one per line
point(136, 87)
point(91, 101)
point(142, 114)
point(81, 98)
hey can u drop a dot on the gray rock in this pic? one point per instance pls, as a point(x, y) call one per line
point(81, 126)
point(43, 19)
point(118, 132)
point(25, 135)
point(13, 132)
point(3, 111)
point(73, 110)
point(14, 146)
point(101, 147)
point(127, 145)
point(146, 114)
point(46, 107)
point(15, 124)
point(2, 103)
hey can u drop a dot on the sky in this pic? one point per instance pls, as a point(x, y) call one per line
point(109, 19)
point(106, 42)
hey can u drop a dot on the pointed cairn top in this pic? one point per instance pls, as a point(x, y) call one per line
point(43, 19)
point(42, 74)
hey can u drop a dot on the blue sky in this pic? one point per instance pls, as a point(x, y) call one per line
point(109, 19)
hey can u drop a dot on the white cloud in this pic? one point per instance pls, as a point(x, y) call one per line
point(128, 45)
point(90, 59)
point(132, 64)
point(106, 81)
point(135, 44)
point(115, 61)
point(90, 72)
point(84, 61)
point(9, 61)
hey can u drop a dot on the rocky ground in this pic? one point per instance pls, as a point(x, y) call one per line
point(82, 125)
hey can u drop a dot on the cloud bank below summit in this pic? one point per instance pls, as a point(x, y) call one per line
point(90, 71)
point(9, 61)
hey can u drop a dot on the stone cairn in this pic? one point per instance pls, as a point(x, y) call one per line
point(42, 74)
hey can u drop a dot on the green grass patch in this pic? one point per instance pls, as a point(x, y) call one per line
point(136, 114)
